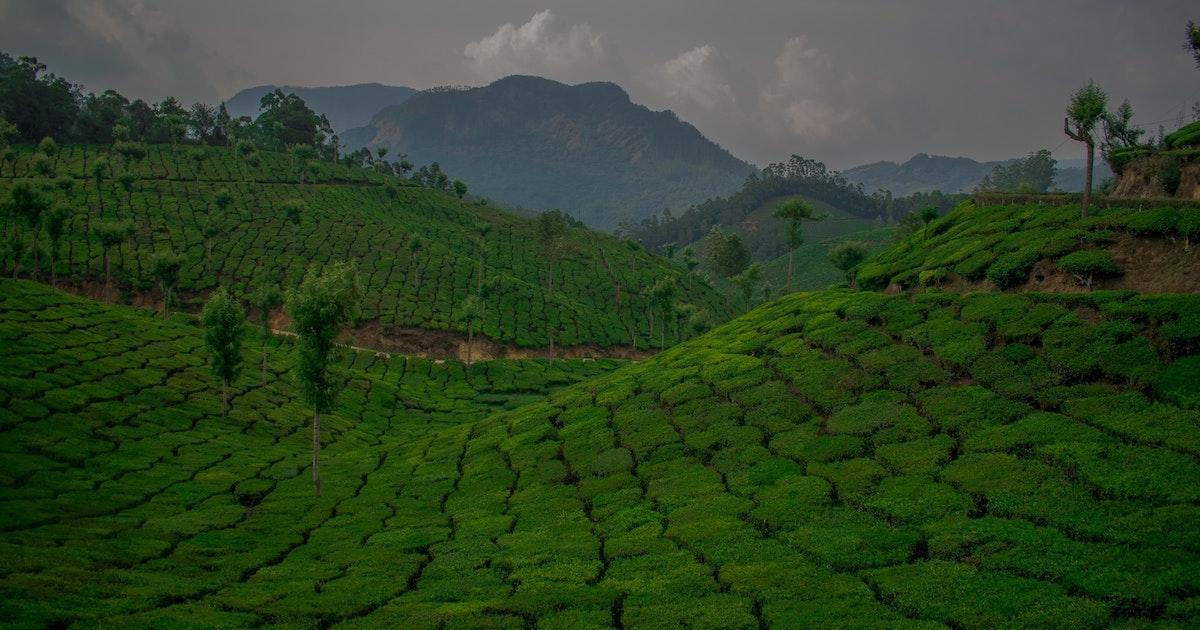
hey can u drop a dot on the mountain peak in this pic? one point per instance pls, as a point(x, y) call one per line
point(542, 144)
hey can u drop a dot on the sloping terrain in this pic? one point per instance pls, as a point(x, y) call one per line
point(125, 496)
point(541, 144)
point(1034, 247)
point(836, 458)
point(420, 252)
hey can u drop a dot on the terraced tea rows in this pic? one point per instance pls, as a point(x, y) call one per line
point(418, 253)
point(989, 460)
point(126, 496)
point(1027, 244)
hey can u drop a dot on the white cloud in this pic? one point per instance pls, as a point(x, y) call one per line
point(542, 47)
point(808, 98)
point(698, 77)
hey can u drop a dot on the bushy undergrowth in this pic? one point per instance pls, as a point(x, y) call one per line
point(829, 459)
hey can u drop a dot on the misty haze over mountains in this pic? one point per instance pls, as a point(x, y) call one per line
point(587, 149)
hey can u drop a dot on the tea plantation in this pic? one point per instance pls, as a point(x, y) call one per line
point(420, 252)
point(830, 459)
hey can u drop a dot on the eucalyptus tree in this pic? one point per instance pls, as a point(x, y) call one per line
point(795, 211)
point(111, 234)
point(460, 191)
point(551, 230)
point(26, 205)
point(224, 326)
point(468, 312)
point(690, 262)
point(267, 298)
point(662, 295)
point(293, 211)
point(100, 168)
point(56, 221)
point(318, 309)
point(1086, 110)
point(166, 269)
point(415, 244)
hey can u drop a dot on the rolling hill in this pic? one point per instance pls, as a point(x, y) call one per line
point(921, 173)
point(540, 144)
point(420, 252)
point(859, 459)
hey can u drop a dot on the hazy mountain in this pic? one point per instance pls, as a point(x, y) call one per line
point(921, 173)
point(926, 173)
point(346, 106)
point(586, 149)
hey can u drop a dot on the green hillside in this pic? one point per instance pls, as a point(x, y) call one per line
point(172, 199)
point(1035, 246)
point(834, 458)
point(125, 496)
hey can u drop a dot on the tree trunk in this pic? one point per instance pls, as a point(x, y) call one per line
point(264, 353)
point(107, 275)
point(224, 398)
point(789, 282)
point(1087, 180)
point(316, 453)
point(470, 339)
point(551, 346)
point(37, 263)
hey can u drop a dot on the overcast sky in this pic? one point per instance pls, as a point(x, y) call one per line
point(846, 82)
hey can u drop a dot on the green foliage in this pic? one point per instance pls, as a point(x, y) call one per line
point(325, 301)
point(1012, 268)
point(1089, 263)
point(224, 326)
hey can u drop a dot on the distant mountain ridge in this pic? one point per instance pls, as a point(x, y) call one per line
point(587, 149)
point(346, 106)
point(921, 173)
point(927, 173)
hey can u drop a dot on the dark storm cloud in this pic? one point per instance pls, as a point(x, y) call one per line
point(846, 82)
point(126, 45)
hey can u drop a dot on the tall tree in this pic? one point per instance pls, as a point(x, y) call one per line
point(318, 308)
point(100, 169)
point(56, 221)
point(267, 298)
point(795, 211)
point(846, 256)
point(166, 270)
point(551, 228)
point(468, 312)
point(28, 205)
point(415, 244)
point(727, 256)
point(1191, 41)
point(224, 326)
point(748, 280)
point(39, 103)
point(1083, 114)
point(111, 234)
point(662, 296)
point(928, 214)
point(460, 191)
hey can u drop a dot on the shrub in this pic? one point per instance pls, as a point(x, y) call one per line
point(1157, 222)
point(1012, 268)
point(1179, 384)
point(932, 277)
point(974, 267)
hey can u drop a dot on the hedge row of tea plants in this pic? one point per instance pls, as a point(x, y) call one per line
point(1001, 244)
point(418, 251)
